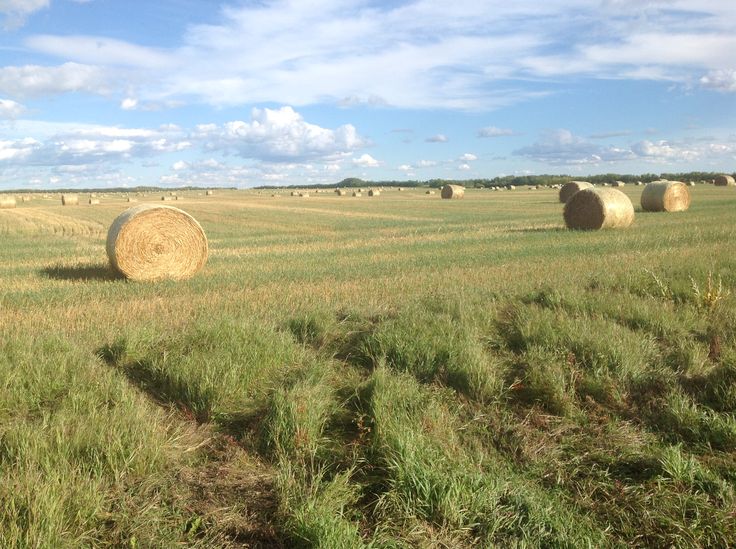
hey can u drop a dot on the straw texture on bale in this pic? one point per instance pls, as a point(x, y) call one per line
point(724, 181)
point(374, 193)
point(67, 199)
point(453, 191)
point(598, 209)
point(7, 202)
point(150, 242)
point(569, 189)
point(665, 196)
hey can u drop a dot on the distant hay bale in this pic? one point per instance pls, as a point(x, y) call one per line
point(132, 199)
point(209, 193)
point(357, 193)
point(93, 201)
point(430, 192)
point(69, 199)
point(510, 187)
point(618, 184)
point(294, 193)
point(724, 180)
point(7, 202)
point(453, 191)
point(374, 193)
point(167, 198)
point(150, 242)
point(665, 196)
point(598, 209)
point(569, 189)
point(400, 189)
point(304, 195)
point(340, 192)
point(639, 183)
point(691, 183)
point(25, 199)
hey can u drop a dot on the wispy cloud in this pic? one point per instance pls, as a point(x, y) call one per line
point(14, 12)
point(493, 131)
point(437, 138)
point(462, 55)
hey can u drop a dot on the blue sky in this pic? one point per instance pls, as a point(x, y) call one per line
point(183, 92)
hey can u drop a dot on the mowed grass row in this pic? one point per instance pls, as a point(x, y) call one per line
point(391, 371)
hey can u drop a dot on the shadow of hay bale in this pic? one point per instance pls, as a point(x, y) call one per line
point(100, 271)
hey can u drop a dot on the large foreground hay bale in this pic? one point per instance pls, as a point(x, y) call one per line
point(69, 199)
point(569, 189)
point(150, 242)
point(665, 196)
point(598, 209)
point(724, 180)
point(453, 191)
point(7, 202)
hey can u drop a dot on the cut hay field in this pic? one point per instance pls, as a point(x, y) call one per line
point(390, 371)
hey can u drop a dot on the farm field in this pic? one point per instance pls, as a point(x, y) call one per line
point(391, 371)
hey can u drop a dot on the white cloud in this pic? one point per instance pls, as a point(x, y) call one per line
point(493, 131)
point(425, 163)
point(467, 157)
point(563, 147)
point(36, 80)
point(10, 109)
point(439, 138)
point(279, 135)
point(129, 104)
point(16, 11)
point(721, 80)
point(18, 150)
point(366, 161)
point(460, 55)
point(463, 167)
point(180, 165)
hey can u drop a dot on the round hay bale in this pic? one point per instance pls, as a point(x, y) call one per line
point(453, 191)
point(132, 199)
point(374, 193)
point(618, 184)
point(167, 198)
point(569, 189)
point(691, 183)
point(340, 192)
point(598, 209)
point(294, 193)
point(724, 180)
point(400, 189)
point(69, 199)
point(356, 193)
point(7, 202)
point(430, 192)
point(209, 193)
point(150, 242)
point(93, 201)
point(665, 196)
point(304, 195)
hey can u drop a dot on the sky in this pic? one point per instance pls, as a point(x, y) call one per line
point(111, 93)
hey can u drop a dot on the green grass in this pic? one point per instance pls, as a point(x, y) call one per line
point(398, 371)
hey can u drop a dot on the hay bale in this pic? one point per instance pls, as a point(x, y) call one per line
point(400, 189)
point(150, 242)
point(691, 183)
point(598, 209)
point(7, 202)
point(430, 192)
point(356, 193)
point(665, 196)
point(724, 180)
point(209, 193)
point(618, 184)
point(453, 191)
point(93, 201)
point(69, 199)
point(569, 189)
point(304, 195)
point(340, 192)
point(132, 199)
point(167, 198)
point(374, 193)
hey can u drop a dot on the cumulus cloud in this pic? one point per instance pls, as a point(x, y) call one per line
point(563, 147)
point(463, 167)
point(467, 157)
point(279, 134)
point(721, 80)
point(493, 131)
point(366, 161)
point(439, 138)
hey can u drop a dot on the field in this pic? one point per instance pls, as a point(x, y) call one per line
point(395, 371)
